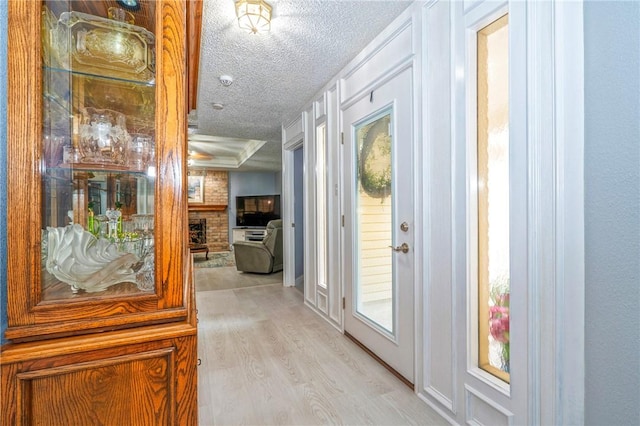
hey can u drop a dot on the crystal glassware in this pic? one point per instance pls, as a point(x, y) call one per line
point(113, 215)
point(120, 15)
point(140, 152)
point(103, 137)
point(96, 45)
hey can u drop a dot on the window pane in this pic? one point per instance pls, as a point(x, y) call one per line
point(322, 204)
point(493, 198)
point(375, 288)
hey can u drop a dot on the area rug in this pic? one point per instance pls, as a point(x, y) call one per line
point(226, 278)
point(216, 260)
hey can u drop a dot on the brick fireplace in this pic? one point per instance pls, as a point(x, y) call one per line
point(213, 209)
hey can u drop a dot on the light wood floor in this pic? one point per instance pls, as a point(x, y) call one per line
point(269, 360)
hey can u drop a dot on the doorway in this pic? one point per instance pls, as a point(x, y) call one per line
point(379, 255)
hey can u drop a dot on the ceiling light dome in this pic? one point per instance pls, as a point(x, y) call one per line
point(254, 15)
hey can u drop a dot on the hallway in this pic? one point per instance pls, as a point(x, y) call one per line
point(269, 360)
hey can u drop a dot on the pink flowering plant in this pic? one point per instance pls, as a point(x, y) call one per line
point(499, 323)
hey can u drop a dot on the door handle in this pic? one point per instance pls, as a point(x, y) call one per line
point(403, 248)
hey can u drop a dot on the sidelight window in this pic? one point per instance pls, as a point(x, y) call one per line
point(321, 203)
point(493, 198)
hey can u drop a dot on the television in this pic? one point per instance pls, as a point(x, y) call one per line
point(257, 210)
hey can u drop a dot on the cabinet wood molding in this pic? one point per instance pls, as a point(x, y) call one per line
point(148, 382)
point(194, 29)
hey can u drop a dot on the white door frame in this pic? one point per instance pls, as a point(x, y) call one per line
point(292, 139)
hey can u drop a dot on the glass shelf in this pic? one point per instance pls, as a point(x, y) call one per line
point(75, 105)
point(116, 79)
point(70, 91)
point(99, 168)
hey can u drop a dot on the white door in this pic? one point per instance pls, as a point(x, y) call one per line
point(379, 231)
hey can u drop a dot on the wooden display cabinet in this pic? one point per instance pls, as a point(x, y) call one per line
point(100, 298)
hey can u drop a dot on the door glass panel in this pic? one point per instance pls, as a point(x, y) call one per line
point(98, 150)
point(374, 292)
point(493, 198)
point(321, 203)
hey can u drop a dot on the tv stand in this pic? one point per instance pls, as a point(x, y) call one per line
point(249, 234)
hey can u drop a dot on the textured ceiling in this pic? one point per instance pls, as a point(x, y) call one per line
point(276, 73)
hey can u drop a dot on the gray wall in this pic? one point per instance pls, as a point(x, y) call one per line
point(250, 183)
point(278, 182)
point(3, 168)
point(612, 205)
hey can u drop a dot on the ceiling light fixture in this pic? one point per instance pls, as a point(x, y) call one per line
point(254, 15)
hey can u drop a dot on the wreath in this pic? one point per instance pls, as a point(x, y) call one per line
point(374, 170)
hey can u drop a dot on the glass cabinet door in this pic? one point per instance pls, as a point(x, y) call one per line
point(98, 180)
point(96, 202)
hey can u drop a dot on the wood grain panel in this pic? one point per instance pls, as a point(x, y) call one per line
point(158, 361)
point(186, 373)
point(49, 353)
point(194, 29)
point(77, 327)
point(9, 397)
point(133, 389)
point(23, 179)
point(171, 129)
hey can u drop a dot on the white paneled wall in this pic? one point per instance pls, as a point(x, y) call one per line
point(391, 52)
point(381, 57)
point(334, 207)
point(310, 258)
point(435, 39)
point(438, 375)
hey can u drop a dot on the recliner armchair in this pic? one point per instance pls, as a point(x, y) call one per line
point(262, 257)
